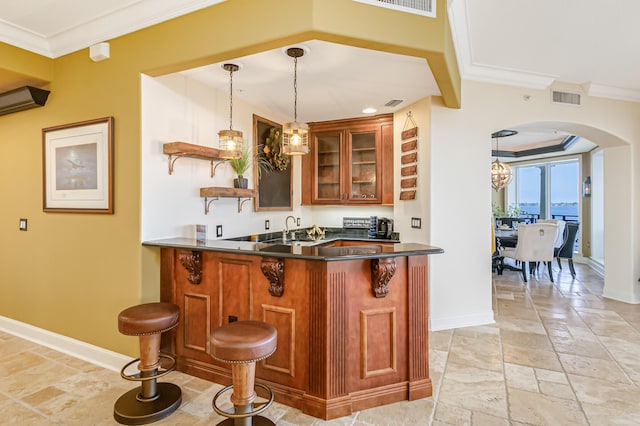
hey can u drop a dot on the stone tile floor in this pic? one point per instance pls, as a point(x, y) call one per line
point(558, 354)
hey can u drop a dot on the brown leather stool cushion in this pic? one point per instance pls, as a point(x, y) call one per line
point(148, 318)
point(243, 341)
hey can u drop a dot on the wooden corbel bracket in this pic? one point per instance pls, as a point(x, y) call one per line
point(382, 270)
point(273, 270)
point(192, 262)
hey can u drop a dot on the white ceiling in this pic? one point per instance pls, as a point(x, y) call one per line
point(589, 44)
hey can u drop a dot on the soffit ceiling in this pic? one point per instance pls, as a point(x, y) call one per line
point(588, 44)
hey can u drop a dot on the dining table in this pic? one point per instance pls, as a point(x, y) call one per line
point(506, 237)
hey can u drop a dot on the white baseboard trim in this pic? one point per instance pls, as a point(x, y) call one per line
point(447, 323)
point(626, 297)
point(596, 266)
point(75, 348)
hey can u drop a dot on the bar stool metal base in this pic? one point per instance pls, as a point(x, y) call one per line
point(245, 415)
point(129, 410)
point(255, 421)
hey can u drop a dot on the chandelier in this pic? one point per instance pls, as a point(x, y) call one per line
point(295, 135)
point(230, 141)
point(501, 173)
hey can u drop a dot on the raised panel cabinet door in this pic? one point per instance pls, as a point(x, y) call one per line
point(328, 167)
point(364, 166)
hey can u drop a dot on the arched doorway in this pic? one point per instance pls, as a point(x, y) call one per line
point(608, 212)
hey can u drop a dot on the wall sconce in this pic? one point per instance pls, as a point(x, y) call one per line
point(586, 187)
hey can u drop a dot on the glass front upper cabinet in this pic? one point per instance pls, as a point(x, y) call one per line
point(329, 166)
point(363, 164)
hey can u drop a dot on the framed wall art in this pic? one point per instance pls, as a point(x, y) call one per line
point(77, 167)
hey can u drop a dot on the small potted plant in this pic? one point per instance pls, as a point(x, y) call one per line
point(241, 164)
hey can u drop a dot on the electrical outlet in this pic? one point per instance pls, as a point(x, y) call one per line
point(23, 224)
point(218, 230)
point(266, 224)
point(297, 221)
point(416, 222)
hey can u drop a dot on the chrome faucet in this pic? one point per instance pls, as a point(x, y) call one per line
point(285, 231)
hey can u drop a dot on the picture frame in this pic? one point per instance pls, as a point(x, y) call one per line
point(77, 167)
point(274, 188)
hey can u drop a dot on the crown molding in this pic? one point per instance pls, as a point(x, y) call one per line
point(471, 70)
point(610, 92)
point(111, 25)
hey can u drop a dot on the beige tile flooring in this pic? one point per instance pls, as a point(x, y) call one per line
point(558, 354)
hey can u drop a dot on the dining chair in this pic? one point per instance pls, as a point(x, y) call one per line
point(496, 258)
point(560, 224)
point(566, 249)
point(535, 244)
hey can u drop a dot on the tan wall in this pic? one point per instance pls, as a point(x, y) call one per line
point(72, 273)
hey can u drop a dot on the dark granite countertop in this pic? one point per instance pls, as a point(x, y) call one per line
point(304, 249)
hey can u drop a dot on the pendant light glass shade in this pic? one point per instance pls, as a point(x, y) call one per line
point(295, 135)
point(295, 138)
point(230, 141)
point(501, 173)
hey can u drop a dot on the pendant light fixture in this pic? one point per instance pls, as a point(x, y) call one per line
point(295, 135)
point(230, 141)
point(501, 173)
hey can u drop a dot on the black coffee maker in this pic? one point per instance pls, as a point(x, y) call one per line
point(385, 228)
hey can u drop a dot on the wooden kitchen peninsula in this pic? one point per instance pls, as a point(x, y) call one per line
point(352, 321)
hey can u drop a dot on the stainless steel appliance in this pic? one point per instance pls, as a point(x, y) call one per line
point(385, 228)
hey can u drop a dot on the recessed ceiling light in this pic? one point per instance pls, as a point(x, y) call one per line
point(369, 110)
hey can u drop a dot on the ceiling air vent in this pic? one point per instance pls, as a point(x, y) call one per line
point(565, 98)
point(393, 102)
point(23, 98)
point(418, 7)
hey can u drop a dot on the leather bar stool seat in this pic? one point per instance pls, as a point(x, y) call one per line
point(242, 344)
point(151, 401)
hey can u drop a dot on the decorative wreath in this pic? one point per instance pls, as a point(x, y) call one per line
point(273, 150)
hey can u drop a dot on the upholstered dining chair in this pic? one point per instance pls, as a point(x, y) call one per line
point(566, 249)
point(535, 244)
point(560, 224)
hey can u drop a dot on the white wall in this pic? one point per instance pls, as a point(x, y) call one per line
point(176, 108)
point(404, 210)
point(597, 207)
point(461, 191)
point(460, 279)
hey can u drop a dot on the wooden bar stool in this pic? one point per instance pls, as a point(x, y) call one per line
point(242, 344)
point(152, 401)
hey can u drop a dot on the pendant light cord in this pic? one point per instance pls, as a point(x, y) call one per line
point(231, 100)
point(295, 88)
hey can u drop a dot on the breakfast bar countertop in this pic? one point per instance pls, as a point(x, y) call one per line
point(351, 313)
point(309, 250)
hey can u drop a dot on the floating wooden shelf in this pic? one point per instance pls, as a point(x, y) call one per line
point(215, 193)
point(177, 150)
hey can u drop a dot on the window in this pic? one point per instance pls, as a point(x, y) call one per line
point(548, 190)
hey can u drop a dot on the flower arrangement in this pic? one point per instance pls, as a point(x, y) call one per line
point(272, 150)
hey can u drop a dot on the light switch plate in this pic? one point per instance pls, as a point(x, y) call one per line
point(416, 222)
point(23, 224)
point(218, 230)
point(266, 224)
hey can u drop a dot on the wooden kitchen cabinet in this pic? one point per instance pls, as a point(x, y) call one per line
point(350, 162)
